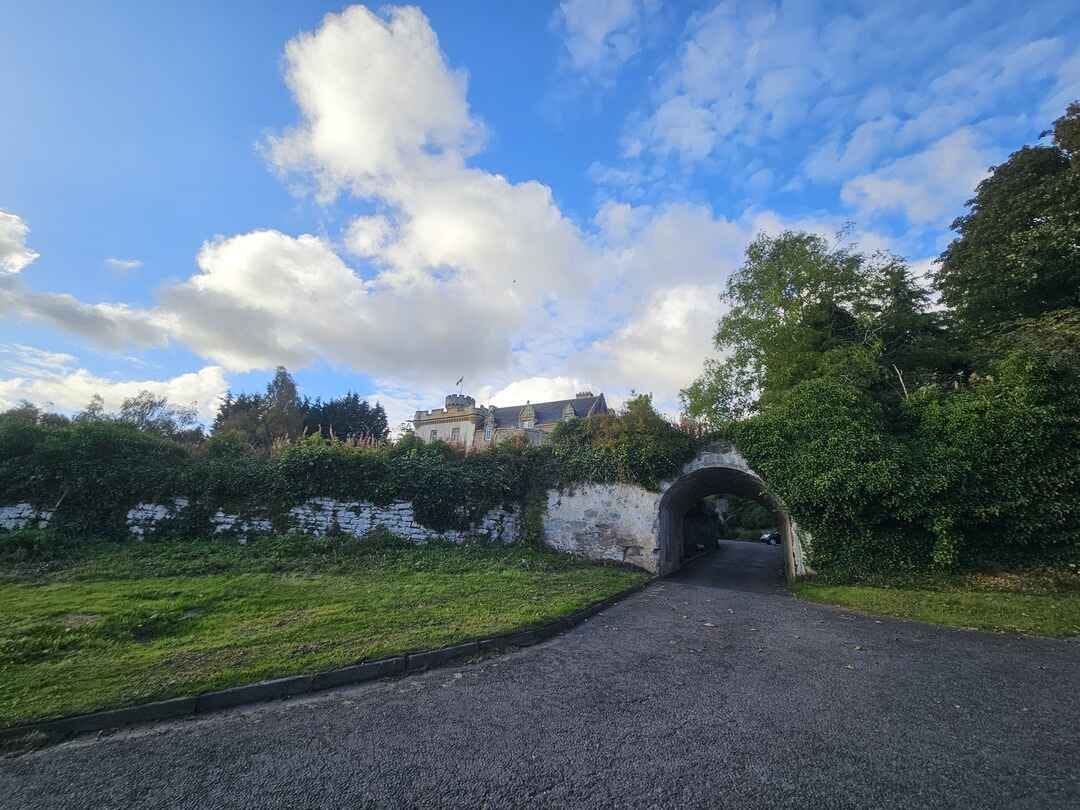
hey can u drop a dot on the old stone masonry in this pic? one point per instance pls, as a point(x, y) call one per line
point(629, 524)
point(23, 516)
point(316, 516)
point(320, 516)
point(618, 522)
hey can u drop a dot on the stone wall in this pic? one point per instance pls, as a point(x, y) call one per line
point(146, 518)
point(23, 516)
point(604, 522)
point(317, 516)
point(240, 527)
point(621, 522)
point(801, 541)
point(617, 522)
point(320, 516)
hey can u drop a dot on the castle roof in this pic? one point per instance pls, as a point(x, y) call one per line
point(547, 412)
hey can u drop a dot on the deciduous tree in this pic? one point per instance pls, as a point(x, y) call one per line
point(1017, 251)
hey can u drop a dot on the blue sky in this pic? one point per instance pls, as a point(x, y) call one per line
point(541, 197)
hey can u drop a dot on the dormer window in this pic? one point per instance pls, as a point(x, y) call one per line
point(527, 417)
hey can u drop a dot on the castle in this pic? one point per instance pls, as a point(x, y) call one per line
point(464, 424)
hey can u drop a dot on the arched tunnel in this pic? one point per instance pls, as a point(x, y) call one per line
point(686, 493)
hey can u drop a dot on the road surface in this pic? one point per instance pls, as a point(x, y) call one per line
point(713, 688)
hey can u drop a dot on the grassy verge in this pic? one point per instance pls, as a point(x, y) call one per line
point(1039, 601)
point(97, 626)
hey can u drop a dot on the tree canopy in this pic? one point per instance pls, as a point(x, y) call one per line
point(799, 306)
point(1017, 251)
point(904, 433)
point(257, 421)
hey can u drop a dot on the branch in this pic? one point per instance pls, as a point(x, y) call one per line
point(901, 378)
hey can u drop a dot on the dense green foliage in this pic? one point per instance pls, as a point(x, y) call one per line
point(636, 446)
point(746, 517)
point(1017, 254)
point(281, 414)
point(988, 469)
point(902, 436)
point(93, 471)
point(801, 309)
point(97, 625)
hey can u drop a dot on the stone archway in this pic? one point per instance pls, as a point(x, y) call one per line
point(629, 524)
point(717, 470)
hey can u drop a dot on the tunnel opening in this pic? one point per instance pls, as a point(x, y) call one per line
point(686, 527)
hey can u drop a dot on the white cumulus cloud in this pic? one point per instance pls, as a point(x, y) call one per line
point(451, 269)
point(14, 254)
point(376, 98)
point(52, 381)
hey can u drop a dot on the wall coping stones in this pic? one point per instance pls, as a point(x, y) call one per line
point(59, 729)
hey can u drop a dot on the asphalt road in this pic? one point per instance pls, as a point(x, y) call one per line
point(714, 688)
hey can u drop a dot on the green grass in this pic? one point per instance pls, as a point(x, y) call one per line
point(1041, 601)
point(94, 626)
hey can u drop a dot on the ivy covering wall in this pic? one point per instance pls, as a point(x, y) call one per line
point(93, 472)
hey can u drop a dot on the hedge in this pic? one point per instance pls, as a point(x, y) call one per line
point(93, 472)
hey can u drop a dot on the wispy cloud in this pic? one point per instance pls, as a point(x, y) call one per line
point(17, 358)
point(926, 186)
point(124, 264)
point(831, 96)
point(53, 380)
point(602, 35)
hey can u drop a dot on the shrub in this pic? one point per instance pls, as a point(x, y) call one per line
point(998, 474)
point(823, 448)
point(94, 471)
point(988, 472)
point(637, 446)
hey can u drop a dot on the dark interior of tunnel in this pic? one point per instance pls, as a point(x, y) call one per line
point(690, 523)
point(702, 528)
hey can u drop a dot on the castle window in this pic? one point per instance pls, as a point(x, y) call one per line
point(434, 434)
point(489, 429)
point(455, 435)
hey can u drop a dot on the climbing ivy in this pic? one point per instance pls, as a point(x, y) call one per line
point(986, 473)
point(636, 446)
point(94, 472)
